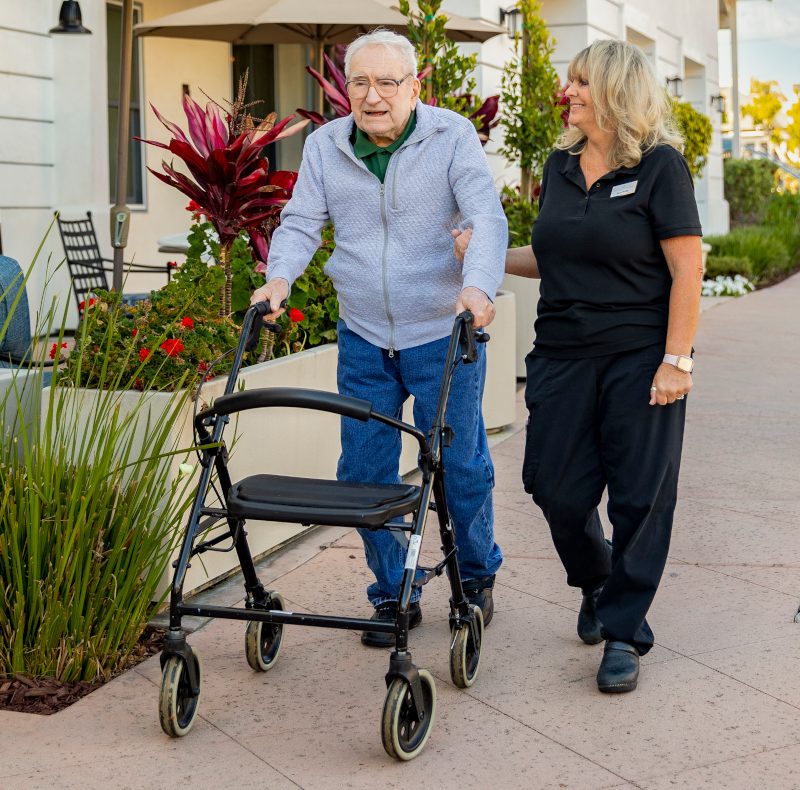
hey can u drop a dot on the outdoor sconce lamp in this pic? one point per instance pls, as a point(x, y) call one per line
point(675, 86)
point(510, 17)
point(69, 19)
point(718, 102)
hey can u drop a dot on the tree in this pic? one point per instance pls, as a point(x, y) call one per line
point(696, 130)
point(531, 113)
point(793, 129)
point(765, 105)
point(448, 82)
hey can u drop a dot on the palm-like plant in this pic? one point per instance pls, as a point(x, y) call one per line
point(230, 180)
point(336, 92)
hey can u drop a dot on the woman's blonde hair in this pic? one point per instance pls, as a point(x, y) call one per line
point(628, 101)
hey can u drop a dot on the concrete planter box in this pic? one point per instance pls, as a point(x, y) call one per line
point(293, 441)
point(19, 400)
point(526, 293)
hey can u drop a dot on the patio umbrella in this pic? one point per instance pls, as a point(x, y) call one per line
point(316, 22)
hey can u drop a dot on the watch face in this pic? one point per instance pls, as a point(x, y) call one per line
point(685, 364)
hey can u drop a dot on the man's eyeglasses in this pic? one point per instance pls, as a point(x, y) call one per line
point(386, 88)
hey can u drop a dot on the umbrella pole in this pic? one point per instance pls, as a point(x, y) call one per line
point(319, 65)
point(120, 213)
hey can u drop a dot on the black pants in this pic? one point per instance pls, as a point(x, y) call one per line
point(591, 426)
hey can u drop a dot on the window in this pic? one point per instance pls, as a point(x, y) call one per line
point(258, 61)
point(136, 179)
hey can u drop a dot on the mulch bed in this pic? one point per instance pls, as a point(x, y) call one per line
point(46, 695)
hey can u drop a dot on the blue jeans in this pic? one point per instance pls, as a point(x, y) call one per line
point(371, 450)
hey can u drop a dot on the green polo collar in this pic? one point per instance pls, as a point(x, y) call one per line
point(375, 157)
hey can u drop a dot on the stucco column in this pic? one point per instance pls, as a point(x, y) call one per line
point(736, 142)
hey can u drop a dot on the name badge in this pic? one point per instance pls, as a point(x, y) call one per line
point(624, 189)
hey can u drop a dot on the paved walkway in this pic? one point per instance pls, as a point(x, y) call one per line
point(718, 703)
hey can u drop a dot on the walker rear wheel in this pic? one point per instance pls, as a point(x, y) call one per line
point(403, 734)
point(177, 708)
point(465, 651)
point(262, 641)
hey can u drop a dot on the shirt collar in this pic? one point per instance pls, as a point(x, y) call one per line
point(571, 169)
point(364, 147)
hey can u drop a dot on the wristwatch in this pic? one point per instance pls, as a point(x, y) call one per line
point(686, 364)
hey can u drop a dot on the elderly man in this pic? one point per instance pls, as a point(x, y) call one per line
point(395, 178)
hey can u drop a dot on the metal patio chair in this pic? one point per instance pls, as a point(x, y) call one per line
point(88, 269)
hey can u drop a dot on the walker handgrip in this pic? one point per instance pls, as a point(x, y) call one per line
point(261, 309)
point(319, 400)
point(469, 352)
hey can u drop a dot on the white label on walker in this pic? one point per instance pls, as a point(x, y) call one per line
point(414, 545)
point(624, 189)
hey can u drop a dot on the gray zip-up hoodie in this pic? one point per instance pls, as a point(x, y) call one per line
point(393, 267)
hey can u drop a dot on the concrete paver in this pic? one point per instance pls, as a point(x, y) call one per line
point(717, 705)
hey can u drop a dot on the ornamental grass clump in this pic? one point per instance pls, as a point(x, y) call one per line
point(88, 518)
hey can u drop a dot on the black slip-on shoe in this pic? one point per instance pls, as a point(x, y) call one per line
point(619, 669)
point(479, 593)
point(588, 624)
point(387, 613)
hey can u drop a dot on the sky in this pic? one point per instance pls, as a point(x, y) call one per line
point(769, 44)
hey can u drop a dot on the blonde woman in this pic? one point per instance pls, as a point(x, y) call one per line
point(617, 247)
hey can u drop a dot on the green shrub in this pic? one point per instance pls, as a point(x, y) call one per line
point(172, 339)
point(768, 254)
point(520, 213)
point(728, 266)
point(782, 217)
point(748, 185)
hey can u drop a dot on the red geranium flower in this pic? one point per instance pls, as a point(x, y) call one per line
point(82, 305)
point(54, 350)
point(172, 347)
point(295, 315)
point(187, 322)
point(144, 354)
point(134, 332)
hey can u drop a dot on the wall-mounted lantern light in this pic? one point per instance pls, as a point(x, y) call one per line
point(675, 86)
point(69, 19)
point(718, 103)
point(510, 17)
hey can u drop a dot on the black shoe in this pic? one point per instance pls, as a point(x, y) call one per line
point(479, 593)
point(387, 613)
point(619, 669)
point(588, 624)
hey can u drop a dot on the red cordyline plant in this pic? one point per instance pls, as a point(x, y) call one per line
point(230, 181)
point(336, 92)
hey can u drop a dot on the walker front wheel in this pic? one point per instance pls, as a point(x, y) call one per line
point(263, 641)
point(404, 735)
point(177, 706)
point(465, 651)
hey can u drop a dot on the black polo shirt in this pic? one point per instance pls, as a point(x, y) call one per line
point(604, 280)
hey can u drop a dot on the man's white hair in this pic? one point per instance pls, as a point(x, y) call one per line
point(384, 38)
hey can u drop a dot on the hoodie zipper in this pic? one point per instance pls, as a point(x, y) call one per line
point(385, 270)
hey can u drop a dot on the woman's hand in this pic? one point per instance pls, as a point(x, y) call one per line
point(669, 385)
point(461, 242)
